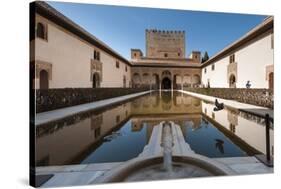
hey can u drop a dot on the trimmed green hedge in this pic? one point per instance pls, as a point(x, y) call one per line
point(259, 97)
point(51, 99)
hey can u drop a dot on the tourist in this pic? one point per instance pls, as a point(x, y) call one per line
point(248, 84)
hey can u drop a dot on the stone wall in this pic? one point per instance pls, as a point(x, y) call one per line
point(259, 97)
point(52, 99)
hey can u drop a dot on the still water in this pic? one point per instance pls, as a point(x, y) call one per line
point(120, 132)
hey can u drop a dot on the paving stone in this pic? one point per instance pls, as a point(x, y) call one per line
point(72, 178)
point(251, 168)
point(237, 160)
point(101, 166)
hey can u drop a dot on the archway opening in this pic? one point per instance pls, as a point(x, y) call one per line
point(232, 81)
point(166, 83)
point(44, 79)
point(156, 81)
point(136, 80)
point(270, 81)
point(196, 80)
point(96, 80)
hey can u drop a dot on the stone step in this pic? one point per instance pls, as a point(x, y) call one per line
point(76, 168)
point(237, 160)
point(251, 168)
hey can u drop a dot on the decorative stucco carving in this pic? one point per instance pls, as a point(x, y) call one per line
point(96, 67)
point(42, 65)
point(232, 70)
point(269, 69)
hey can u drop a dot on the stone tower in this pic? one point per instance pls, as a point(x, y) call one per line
point(165, 44)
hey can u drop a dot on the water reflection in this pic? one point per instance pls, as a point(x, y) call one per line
point(120, 133)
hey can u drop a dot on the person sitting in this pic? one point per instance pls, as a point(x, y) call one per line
point(248, 84)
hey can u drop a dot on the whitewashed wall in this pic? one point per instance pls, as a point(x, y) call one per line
point(70, 58)
point(251, 65)
point(249, 131)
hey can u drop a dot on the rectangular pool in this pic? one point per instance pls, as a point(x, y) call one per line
point(119, 133)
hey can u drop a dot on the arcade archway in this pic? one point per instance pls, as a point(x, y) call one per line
point(166, 83)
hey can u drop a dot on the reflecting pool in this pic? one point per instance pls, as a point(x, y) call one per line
point(120, 132)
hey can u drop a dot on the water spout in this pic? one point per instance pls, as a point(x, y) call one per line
point(167, 142)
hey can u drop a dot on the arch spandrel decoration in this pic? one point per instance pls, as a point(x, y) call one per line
point(96, 67)
point(42, 65)
point(232, 70)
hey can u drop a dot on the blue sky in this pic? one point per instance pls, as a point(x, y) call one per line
point(123, 28)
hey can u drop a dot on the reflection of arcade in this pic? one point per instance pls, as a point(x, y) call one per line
point(86, 133)
point(167, 103)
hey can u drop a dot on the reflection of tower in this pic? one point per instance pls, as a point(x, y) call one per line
point(156, 100)
point(146, 102)
point(232, 117)
point(166, 101)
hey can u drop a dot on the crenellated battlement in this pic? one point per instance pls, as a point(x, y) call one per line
point(165, 31)
point(165, 43)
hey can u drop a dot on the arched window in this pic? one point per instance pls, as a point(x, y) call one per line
point(40, 30)
point(44, 79)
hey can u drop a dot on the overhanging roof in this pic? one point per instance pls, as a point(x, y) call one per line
point(260, 29)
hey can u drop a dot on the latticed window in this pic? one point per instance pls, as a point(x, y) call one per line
point(96, 55)
point(232, 58)
point(213, 66)
point(41, 31)
point(117, 64)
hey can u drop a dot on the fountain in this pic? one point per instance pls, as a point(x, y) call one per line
point(173, 161)
point(167, 147)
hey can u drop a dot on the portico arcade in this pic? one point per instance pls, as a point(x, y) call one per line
point(166, 78)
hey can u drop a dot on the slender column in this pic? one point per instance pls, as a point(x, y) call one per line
point(172, 84)
point(160, 84)
point(182, 83)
